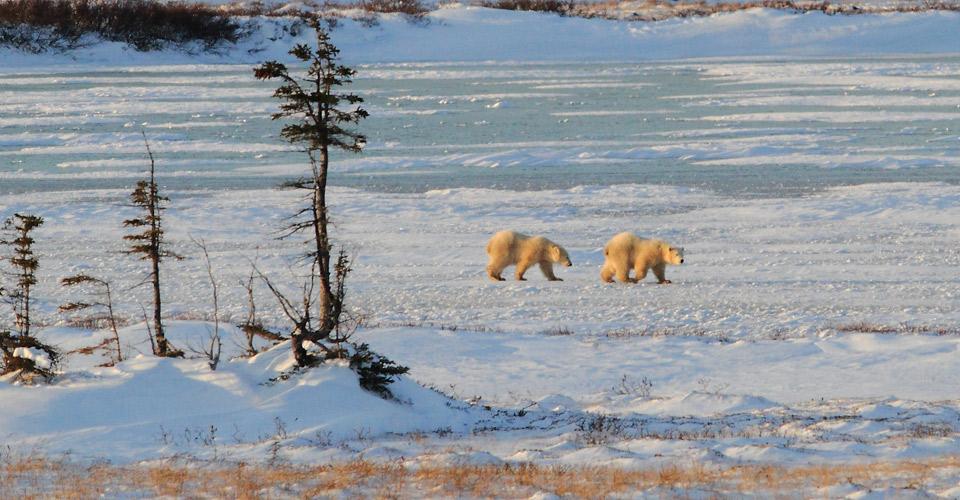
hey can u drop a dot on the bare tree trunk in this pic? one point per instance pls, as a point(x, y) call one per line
point(249, 327)
point(302, 332)
point(25, 326)
point(213, 348)
point(161, 339)
point(326, 319)
point(154, 215)
point(299, 353)
point(113, 322)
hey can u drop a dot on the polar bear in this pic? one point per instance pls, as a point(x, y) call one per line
point(509, 247)
point(627, 251)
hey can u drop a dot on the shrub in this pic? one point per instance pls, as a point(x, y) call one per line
point(412, 8)
point(42, 25)
point(557, 331)
point(562, 7)
point(376, 372)
point(599, 429)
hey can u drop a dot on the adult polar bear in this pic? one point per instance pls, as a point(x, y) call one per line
point(509, 247)
point(627, 251)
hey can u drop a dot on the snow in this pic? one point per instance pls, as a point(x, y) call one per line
point(752, 355)
point(148, 407)
point(40, 359)
point(746, 337)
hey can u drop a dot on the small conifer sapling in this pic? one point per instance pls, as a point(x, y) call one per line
point(148, 243)
point(23, 353)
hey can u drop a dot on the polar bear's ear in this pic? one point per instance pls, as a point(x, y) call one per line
point(555, 252)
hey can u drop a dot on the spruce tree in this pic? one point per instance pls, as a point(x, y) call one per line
point(320, 114)
point(21, 351)
point(149, 245)
point(24, 265)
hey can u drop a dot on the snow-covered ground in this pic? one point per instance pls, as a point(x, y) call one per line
point(744, 352)
point(814, 325)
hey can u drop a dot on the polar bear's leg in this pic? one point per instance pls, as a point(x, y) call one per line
point(606, 272)
point(640, 268)
point(495, 267)
point(660, 271)
point(522, 267)
point(494, 275)
point(547, 268)
point(623, 273)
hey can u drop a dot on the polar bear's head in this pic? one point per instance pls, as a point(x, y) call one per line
point(672, 255)
point(560, 255)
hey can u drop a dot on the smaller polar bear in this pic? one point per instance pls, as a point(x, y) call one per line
point(509, 247)
point(627, 251)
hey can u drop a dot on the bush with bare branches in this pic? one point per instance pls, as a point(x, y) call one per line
point(101, 298)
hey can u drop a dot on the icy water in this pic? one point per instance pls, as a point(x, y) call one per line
point(745, 128)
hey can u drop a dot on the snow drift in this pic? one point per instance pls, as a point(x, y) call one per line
point(149, 407)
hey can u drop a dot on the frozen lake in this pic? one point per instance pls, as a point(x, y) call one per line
point(743, 128)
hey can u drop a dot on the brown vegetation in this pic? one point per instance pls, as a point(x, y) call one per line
point(32, 477)
point(413, 8)
point(562, 7)
point(40, 25)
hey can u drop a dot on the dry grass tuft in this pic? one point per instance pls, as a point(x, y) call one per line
point(437, 326)
point(557, 331)
point(627, 333)
point(901, 329)
point(37, 477)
